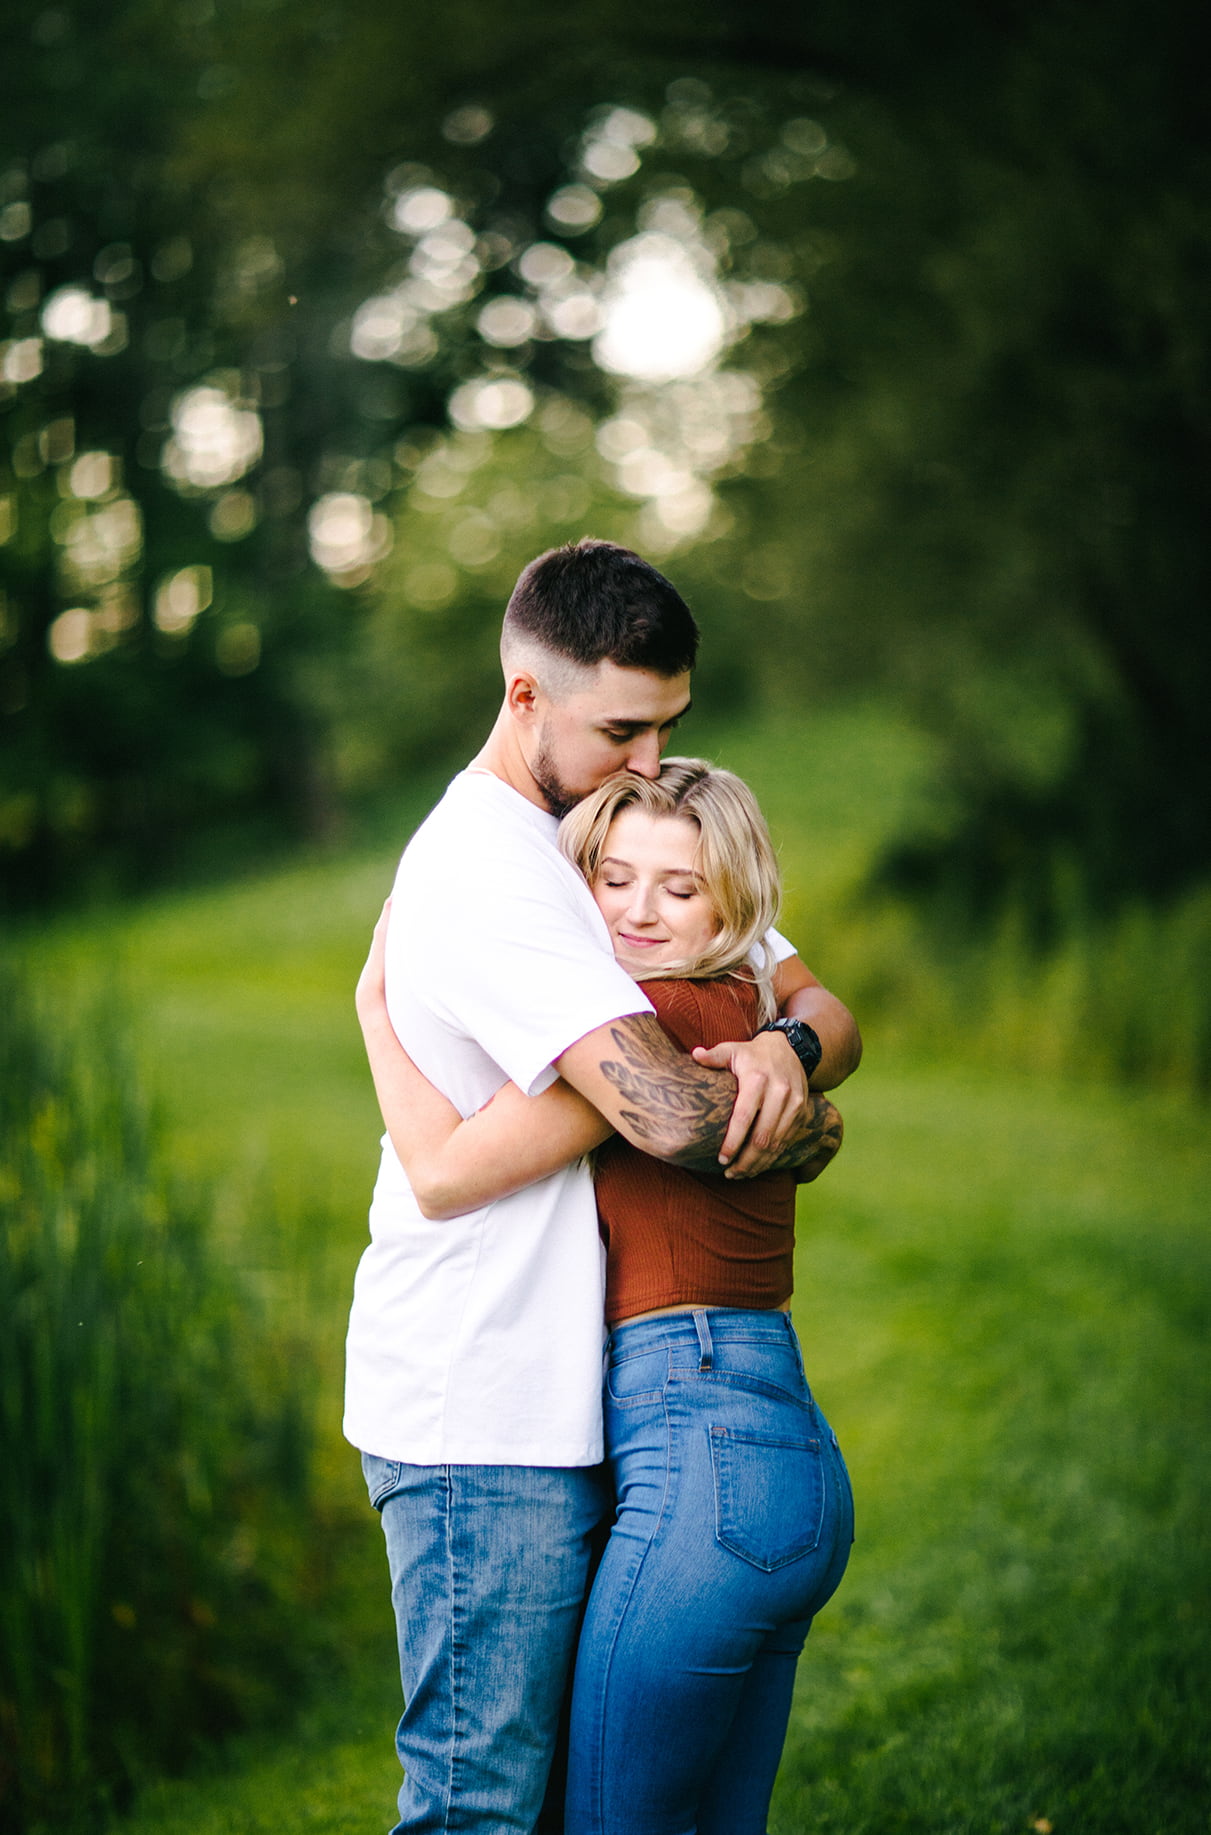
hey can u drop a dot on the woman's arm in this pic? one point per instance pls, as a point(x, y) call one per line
point(454, 1165)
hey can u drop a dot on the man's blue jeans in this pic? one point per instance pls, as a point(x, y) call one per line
point(489, 1569)
point(734, 1524)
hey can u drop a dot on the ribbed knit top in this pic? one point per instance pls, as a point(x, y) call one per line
point(675, 1237)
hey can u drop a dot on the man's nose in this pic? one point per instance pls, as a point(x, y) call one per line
point(643, 758)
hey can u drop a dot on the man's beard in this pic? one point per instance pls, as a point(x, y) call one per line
point(559, 798)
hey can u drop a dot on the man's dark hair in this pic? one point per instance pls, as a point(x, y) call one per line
point(593, 602)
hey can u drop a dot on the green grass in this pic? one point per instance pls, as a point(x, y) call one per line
point(158, 1535)
point(1002, 1296)
point(1002, 1292)
point(1005, 1294)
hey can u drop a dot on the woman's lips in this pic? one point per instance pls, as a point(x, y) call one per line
point(640, 942)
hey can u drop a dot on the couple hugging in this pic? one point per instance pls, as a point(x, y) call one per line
point(599, 1068)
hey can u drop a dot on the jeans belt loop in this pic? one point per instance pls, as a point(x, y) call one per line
point(705, 1346)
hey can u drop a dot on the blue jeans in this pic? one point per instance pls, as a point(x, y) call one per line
point(489, 1568)
point(734, 1524)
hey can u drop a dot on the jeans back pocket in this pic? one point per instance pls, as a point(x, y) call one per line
point(769, 1496)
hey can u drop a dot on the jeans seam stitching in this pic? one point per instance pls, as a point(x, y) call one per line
point(454, 1672)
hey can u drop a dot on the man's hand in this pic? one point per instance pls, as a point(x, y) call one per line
point(771, 1105)
point(824, 1130)
point(683, 1109)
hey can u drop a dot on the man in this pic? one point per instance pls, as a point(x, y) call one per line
point(474, 1354)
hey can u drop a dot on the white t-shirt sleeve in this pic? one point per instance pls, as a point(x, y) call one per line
point(778, 944)
point(531, 982)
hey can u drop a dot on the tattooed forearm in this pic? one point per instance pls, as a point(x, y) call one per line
point(820, 1143)
point(675, 1108)
point(679, 1111)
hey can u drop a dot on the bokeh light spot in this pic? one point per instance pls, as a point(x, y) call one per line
point(215, 438)
point(233, 516)
point(431, 585)
point(468, 125)
point(506, 322)
point(491, 402)
point(181, 598)
point(71, 315)
point(21, 360)
point(69, 637)
point(662, 318)
point(574, 208)
point(421, 208)
point(347, 536)
point(237, 649)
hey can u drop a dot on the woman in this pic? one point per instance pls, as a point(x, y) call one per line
point(734, 1515)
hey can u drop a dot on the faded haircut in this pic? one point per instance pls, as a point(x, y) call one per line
point(591, 602)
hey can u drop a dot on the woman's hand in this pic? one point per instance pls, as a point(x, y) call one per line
point(456, 1165)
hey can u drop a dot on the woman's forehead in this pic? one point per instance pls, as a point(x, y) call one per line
point(672, 839)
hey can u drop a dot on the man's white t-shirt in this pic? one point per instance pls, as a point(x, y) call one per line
point(478, 1340)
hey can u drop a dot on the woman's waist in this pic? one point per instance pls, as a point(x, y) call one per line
point(688, 1325)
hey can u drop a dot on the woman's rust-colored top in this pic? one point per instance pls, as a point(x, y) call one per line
point(675, 1237)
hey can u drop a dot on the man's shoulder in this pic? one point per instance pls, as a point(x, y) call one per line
point(479, 853)
point(470, 826)
point(479, 805)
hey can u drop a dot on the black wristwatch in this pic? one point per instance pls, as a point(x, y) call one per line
point(803, 1041)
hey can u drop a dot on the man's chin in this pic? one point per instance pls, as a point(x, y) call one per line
point(560, 797)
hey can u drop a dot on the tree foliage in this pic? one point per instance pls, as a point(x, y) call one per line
point(308, 349)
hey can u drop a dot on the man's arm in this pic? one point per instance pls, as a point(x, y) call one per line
point(773, 1084)
point(668, 1105)
point(801, 996)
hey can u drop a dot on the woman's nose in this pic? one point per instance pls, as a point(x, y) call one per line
point(640, 906)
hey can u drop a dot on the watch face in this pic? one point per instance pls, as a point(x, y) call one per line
point(805, 1042)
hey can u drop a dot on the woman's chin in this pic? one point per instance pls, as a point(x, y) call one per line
point(638, 962)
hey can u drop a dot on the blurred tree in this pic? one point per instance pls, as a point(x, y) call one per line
point(887, 328)
point(1007, 413)
point(153, 601)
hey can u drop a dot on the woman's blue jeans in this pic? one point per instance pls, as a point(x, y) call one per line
point(734, 1524)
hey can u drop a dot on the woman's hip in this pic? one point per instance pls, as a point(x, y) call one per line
point(720, 1453)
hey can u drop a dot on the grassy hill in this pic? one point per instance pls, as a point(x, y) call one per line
point(1002, 1290)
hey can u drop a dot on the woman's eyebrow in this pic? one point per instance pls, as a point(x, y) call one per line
point(612, 860)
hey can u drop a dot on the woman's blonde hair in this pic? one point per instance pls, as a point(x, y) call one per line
point(735, 861)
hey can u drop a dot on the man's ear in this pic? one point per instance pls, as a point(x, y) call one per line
point(522, 695)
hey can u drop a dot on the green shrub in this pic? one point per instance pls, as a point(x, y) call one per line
point(154, 1516)
point(1123, 997)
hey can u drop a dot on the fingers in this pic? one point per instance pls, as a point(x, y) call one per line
point(751, 1095)
point(827, 1130)
point(772, 1128)
point(773, 1092)
point(745, 1110)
